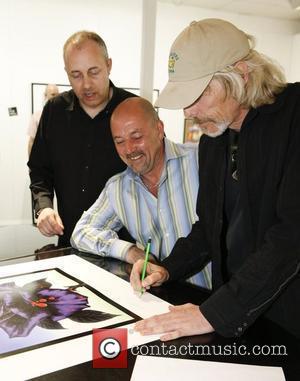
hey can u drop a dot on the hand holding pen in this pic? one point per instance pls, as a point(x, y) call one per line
point(156, 275)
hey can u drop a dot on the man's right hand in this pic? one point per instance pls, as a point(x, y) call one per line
point(156, 275)
point(49, 223)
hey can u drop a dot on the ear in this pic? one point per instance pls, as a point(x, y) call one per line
point(67, 73)
point(243, 69)
point(161, 129)
point(109, 64)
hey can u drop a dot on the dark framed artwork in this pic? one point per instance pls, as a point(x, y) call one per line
point(192, 131)
point(38, 89)
point(37, 94)
point(49, 306)
point(136, 90)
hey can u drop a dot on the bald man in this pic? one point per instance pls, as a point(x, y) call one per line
point(154, 197)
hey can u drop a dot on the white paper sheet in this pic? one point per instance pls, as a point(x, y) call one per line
point(162, 368)
point(68, 353)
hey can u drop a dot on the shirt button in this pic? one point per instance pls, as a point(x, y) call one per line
point(86, 167)
point(240, 329)
point(83, 189)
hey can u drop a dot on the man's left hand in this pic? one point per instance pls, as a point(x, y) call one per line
point(184, 320)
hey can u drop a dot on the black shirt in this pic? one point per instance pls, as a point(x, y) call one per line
point(234, 246)
point(74, 155)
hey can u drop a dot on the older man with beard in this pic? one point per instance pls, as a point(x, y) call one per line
point(249, 174)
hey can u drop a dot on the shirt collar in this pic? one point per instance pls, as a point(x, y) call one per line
point(279, 102)
point(173, 150)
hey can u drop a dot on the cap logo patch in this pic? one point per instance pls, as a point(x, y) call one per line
point(173, 57)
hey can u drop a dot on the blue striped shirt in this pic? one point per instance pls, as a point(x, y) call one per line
point(125, 201)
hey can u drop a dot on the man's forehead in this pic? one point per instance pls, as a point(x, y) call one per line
point(78, 46)
point(127, 126)
point(87, 69)
point(89, 50)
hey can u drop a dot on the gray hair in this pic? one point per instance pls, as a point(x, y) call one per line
point(266, 79)
point(82, 36)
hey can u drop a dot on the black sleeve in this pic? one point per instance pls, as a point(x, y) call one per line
point(188, 255)
point(40, 168)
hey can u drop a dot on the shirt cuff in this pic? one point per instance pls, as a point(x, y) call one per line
point(119, 249)
point(42, 203)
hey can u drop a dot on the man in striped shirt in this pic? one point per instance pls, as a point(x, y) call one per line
point(154, 197)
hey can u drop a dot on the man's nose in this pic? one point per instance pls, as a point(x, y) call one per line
point(129, 147)
point(188, 112)
point(86, 82)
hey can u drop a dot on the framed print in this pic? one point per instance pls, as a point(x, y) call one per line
point(38, 89)
point(37, 94)
point(49, 309)
point(136, 90)
point(192, 131)
point(50, 306)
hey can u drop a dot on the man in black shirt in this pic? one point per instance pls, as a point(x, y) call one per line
point(249, 174)
point(73, 153)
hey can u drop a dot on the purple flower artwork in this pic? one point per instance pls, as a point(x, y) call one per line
point(37, 304)
point(50, 306)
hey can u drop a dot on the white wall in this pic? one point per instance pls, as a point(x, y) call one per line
point(295, 61)
point(32, 35)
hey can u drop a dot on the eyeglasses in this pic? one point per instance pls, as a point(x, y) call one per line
point(233, 158)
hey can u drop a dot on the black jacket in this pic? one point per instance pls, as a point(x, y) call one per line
point(73, 155)
point(268, 281)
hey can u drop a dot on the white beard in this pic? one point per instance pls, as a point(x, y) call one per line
point(221, 128)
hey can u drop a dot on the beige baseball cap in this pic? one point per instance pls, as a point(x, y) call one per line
point(200, 50)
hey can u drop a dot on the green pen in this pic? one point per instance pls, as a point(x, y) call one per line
point(147, 251)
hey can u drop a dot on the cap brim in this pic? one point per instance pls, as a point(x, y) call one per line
point(179, 95)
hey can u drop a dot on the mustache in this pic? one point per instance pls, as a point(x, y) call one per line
point(134, 154)
point(204, 120)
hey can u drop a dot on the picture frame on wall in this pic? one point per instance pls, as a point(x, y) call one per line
point(37, 94)
point(136, 90)
point(192, 131)
point(38, 89)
